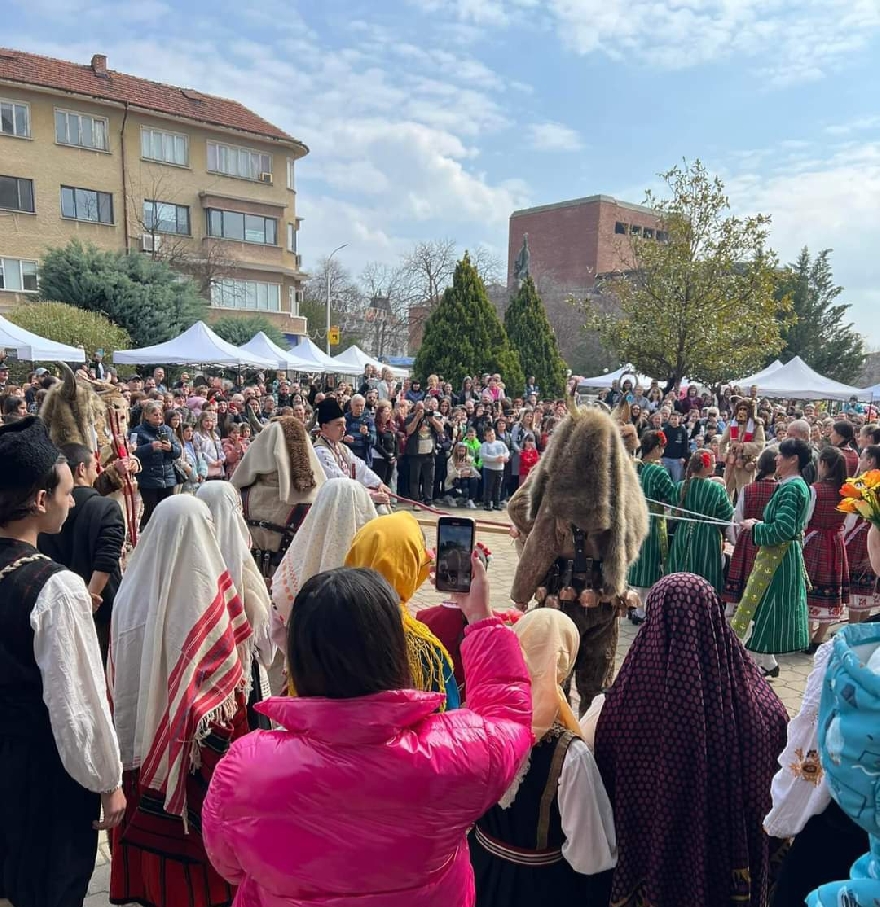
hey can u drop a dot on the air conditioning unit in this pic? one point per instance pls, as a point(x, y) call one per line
point(266, 178)
point(150, 242)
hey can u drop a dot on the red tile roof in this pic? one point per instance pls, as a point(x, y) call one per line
point(118, 87)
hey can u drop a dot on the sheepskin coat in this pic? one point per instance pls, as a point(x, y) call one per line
point(587, 479)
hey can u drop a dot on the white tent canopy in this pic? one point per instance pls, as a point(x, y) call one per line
point(606, 380)
point(34, 348)
point(285, 360)
point(311, 354)
point(797, 381)
point(198, 345)
point(758, 377)
point(354, 361)
point(870, 393)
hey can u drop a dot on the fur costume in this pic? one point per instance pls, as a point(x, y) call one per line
point(278, 473)
point(76, 412)
point(585, 479)
point(740, 447)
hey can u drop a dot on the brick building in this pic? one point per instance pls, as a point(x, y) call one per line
point(125, 163)
point(573, 242)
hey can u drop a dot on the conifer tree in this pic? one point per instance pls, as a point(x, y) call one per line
point(532, 337)
point(464, 335)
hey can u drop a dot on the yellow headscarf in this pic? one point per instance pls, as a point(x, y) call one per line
point(394, 547)
point(550, 642)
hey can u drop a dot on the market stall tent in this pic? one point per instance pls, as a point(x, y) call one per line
point(310, 352)
point(34, 348)
point(197, 345)
point(354, 361)
point(758, 377)
point(286, 360)
point(797, 381)
point(605, 381)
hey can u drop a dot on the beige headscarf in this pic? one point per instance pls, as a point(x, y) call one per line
point(550, 642)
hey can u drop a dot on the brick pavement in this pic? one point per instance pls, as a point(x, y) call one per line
point(794, 669)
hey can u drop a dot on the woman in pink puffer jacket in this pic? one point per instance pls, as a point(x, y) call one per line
point(367, 797)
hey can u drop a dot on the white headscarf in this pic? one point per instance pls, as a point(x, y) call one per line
point(177, 631)
point(224, 502)
point(341, 508)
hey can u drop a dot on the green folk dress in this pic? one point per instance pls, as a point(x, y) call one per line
point(657, 485)
point(696, 547)
point(782, 620)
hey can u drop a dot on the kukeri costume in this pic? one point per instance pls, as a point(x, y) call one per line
point(95, 414)
point(741, 445)
point(583, 519)
point(278, 478)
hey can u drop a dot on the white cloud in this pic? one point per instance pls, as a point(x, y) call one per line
point(827, 202)
point(554, 137)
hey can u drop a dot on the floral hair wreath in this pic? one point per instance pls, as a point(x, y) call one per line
point(661, 437)
point(706, 459)
point(483, 553)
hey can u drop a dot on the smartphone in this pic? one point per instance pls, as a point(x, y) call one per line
point(455, 542)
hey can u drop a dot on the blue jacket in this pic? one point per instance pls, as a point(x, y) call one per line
point(362, 445)
point(849, 716)
point(157, 466)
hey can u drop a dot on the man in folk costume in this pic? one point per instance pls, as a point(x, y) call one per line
point(741, 445)
point(337, 459)
point(59, 756)
point(278, 478)
point(95, 415)
point(582, 518)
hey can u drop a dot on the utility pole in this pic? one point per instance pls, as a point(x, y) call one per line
point(330, 256)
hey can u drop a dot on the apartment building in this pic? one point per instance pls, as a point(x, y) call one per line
point(574, 242)
point(125, 163)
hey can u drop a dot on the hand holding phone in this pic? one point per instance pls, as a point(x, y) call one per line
point(455, 543)
point(475, 604)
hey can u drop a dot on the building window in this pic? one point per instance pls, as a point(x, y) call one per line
point(81, 130)
point(291, 238)
point(241, 163)
point(87, 204)
point(294, 298)
point(662, 236)
point(620, 228)
point(290, 183)
point(648, 233)
point(15, 119)
point(165, 147)
point(165, 217)
point(243, 227)
point(246, 294)
point(18, 274)
point(635, 230)
point(16, 194)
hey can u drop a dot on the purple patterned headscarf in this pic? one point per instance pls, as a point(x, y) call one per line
point(687, 744)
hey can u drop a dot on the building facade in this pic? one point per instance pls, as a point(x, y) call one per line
point(127, 164)
point(572, 243)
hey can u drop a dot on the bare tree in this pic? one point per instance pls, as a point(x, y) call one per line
point(346, 302)
point(162, 235)
point(489, 265)
point(387, 293)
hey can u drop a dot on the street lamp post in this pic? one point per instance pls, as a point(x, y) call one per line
point(337, 249)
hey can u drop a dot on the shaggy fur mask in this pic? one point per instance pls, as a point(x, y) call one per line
point(73, 412)
point(586, 477)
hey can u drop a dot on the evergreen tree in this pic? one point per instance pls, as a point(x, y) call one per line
point(144, 297)
point(464, 336)
point(820, 335)
point(532, 337)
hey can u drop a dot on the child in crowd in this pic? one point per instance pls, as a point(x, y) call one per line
point(233, 449)
point(462, 476)
point(494, 455)
point(528, 457)
point(473, 445)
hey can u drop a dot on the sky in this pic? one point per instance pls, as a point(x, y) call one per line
point(428, 119)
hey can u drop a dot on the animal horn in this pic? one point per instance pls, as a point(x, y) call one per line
point(68, 381)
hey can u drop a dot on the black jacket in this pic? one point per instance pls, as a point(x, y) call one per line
point(90, 540)
point(157, 466)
